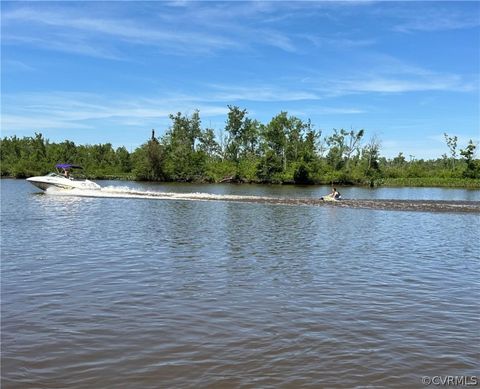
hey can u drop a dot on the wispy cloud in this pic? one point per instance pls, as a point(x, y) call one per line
point(74, 32)
point(40, 121)
point(436, 19)
point(178, 27)
point(385, 74)
point(276, 39)
point(384, 84)
point(81, 110)
point(260, 93)
point(339, 41)
point(70, 110)
point(71, 44)
point(325, 110)
point(10, 65)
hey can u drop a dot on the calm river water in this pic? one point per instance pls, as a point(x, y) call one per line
point(102, 292)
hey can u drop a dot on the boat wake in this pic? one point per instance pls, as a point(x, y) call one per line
point(130, 193)
point(380, 204)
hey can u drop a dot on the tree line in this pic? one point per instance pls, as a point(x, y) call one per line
point(285, 150)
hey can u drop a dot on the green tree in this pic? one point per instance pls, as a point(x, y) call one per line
point(39, 151)
point(123, 159)
point(209, 145)
point(452, 145)
point(342, 145)
point(370, 159)
point(269, 167)
point(249, 138)
point(182, 161)
point(399, 160)
point(473, 167)
point(275, 137)
point(235, 127)
point(337, 147)
point(64, 152)
point(149, 160)
point(194, 129)
point(352, 143)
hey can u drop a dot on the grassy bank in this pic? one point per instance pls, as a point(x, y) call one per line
point(419, 182)
point(438, 182)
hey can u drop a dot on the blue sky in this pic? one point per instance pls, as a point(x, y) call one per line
point(97, 72)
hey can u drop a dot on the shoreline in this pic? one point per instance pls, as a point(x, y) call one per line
point(384, 183)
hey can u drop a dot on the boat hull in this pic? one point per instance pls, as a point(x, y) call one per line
point(45, 182)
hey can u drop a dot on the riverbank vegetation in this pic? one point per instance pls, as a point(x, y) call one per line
point(285, 150)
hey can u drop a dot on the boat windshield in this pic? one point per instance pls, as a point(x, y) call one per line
point(54, 175)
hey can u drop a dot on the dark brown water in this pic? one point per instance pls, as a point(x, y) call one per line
point(126, 293)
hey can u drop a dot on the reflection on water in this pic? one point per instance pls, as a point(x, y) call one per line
point(101, 292)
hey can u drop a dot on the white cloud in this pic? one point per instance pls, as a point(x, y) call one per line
point(31, 111)
point(55, 110)
point(265, 93)
point(337, 110)
point(73, 32)
point(276, 39)
point(398, 85)
point(13, 65)
point(338, 41)
point(178, 27)
point(385, 74)
point(436, 19)
point(39, 121)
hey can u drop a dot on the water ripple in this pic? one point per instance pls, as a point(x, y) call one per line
point(120, 293)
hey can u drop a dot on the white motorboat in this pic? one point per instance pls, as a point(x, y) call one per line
point(65, 181)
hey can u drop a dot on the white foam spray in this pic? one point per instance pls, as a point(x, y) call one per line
point(131, 193)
